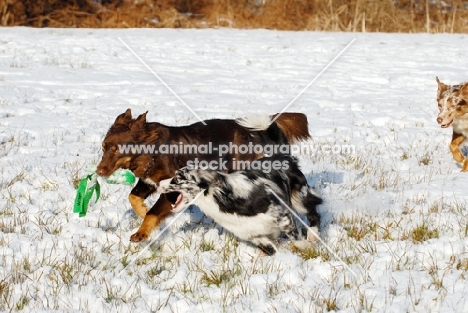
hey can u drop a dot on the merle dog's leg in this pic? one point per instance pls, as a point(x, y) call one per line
point(305, 201)
point(265, 244)
point(160, 210)
point(311, 202)
point(139, 193)
point(287, 225)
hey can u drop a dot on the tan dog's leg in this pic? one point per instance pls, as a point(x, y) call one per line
point(138, 205)
point(465, 166)
point(457, 139)
point(160, 210)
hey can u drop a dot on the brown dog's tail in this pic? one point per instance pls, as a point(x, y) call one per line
point(294, 125)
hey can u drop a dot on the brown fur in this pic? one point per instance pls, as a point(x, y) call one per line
point(452, 102)
point(293, 125)
point(288, 128)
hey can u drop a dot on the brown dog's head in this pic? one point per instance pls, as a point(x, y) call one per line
point(452, 102)
point(124, 132)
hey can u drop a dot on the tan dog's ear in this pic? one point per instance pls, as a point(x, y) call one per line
point(442, 87)
point(464, 92)
point(124, 118)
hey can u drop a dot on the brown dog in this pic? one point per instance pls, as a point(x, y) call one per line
point(453, 110)
point(138, 145)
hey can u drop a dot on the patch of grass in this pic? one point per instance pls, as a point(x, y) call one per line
point(155, 271)
point(216, 277)
point(75, 171)
point(5, 294)
point(313, 253)
point(22, 303)
point(404, 156)
point(330, 304)
point(318, 15)
point(462, 265)
point(356, 232)
point(207, 245)
point(425, 160)
point(422, 233)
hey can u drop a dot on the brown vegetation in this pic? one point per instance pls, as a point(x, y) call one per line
point(319, 15)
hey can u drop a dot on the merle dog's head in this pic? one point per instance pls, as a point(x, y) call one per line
point(186, 184)
point(452, 102)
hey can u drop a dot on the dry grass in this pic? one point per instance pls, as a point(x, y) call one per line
point(319, 15)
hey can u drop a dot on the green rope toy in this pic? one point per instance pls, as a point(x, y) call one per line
point(89, 185)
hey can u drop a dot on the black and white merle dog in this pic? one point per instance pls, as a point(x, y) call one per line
point(251, 204)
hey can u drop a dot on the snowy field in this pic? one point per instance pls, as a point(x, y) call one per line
point(395, 212)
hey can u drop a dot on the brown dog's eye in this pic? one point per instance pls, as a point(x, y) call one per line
point(114, 150)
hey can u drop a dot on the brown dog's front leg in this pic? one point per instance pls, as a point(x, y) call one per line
point(139, 193)
point(160, 210)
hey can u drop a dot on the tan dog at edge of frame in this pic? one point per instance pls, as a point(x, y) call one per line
point(453, 110)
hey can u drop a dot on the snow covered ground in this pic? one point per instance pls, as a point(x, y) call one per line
point(395, 212)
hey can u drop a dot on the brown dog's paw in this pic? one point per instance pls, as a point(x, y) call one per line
point(138, 237)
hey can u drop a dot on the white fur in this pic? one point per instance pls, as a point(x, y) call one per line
point(303, 244)
point(255, 122)
point(460, 125)
point(245, 227)
point(150, 182)
point(240, 183)
point(162, 184)
point(313, 234)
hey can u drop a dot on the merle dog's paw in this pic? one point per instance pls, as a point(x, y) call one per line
point(303, 244)
point(313, 234)
point(268, 249)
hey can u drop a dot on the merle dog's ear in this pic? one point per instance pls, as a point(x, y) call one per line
point(441, 86)
point(464, 92)
point(124, 118)
point(208, 178)
point(203, 183)
point(183, 171)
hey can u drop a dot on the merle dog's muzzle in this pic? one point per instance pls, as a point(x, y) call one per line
point(172, 196)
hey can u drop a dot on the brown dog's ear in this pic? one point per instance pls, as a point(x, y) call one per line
point(139, 122)
point(442, 86)
point(124, 118)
